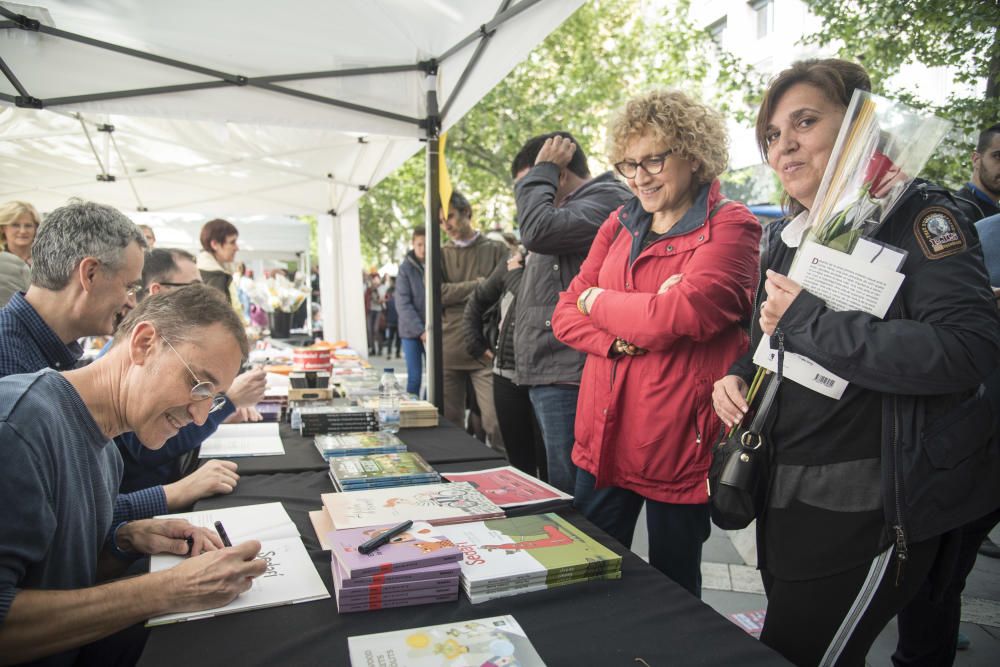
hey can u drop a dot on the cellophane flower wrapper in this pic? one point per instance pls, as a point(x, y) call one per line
point(277, 294)
point(881, 147)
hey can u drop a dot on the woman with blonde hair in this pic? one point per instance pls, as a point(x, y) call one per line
point(18, 223)
point(658, 306)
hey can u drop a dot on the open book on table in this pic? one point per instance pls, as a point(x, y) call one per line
point(291, 576)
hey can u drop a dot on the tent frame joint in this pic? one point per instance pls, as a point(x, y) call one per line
point(28, 102)
point(428, 67)
point(25, 23)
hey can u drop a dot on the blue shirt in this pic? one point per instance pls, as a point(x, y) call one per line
point(59, 477)
point(989, 236)
point(27, 345)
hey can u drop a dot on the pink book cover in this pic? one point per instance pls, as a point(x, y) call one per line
point(509, 487)
point(406, 589)
point(419, 546)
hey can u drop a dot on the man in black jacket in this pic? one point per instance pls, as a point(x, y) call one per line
point(978, 198)
point(560, 207)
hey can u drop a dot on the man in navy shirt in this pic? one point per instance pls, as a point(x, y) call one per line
point(167, 269)
point(86, 273)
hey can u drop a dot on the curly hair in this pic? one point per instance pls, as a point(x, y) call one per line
point(687, 126)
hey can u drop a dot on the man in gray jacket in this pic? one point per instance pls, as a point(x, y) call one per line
point(560, 207)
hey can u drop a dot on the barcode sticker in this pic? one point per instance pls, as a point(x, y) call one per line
point(824, 380)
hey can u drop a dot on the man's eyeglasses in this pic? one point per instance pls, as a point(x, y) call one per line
point(133, 289)
point(166, 284)
point(202, 390)
point(652, 165)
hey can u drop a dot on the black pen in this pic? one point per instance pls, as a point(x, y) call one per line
point(375, 542)
point(222, 534)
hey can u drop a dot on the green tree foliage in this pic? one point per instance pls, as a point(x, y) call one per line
point(606, 52)
point(959, 34)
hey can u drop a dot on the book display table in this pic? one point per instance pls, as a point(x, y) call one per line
point(643, 615)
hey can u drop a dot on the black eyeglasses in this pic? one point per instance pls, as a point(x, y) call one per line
point(202, 390)
point(652, 165)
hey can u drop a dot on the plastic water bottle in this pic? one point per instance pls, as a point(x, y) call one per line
point(388, 401)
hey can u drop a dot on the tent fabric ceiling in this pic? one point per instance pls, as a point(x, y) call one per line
point(228, 149)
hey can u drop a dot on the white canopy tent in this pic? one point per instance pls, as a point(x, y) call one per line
point(230, 107)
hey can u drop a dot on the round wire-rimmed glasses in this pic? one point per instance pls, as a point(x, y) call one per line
point(202, 389)
point(652, 165)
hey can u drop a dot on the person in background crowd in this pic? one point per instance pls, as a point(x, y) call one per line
point(60, 546)
point(87, 272)
point(391, 321)
point(218, 250)
point(658, 307)
point(244, 284)
point(373, 302)
point(410, 299)
point(979, 197)
point(147, 233)
point(167, 269)
point(18, 223)
point(489, 335)
point(466, 260)
point(560, 207)
point(859, 494)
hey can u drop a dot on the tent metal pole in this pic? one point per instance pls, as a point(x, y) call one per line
point(334, 102)
point(9, 73)
point(472, 62)
point(136, 92)
point(334, 73)
point(432, 264)
point(497, 21)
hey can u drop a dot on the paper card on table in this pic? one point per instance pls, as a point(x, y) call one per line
point(234, 440)
point(434, 503)
point(509, 487)
point(267, 521)
point(498, 640)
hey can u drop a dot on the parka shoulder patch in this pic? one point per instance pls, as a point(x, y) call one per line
point(938, 233)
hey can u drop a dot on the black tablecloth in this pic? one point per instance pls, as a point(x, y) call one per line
point(643, 615)
point(445, 443)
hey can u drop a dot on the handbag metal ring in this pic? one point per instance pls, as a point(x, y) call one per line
point(748, 437)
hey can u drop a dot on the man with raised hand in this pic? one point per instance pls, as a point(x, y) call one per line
point(560, 207)
point(59, 475)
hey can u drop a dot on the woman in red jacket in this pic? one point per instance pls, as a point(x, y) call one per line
point(658, 307)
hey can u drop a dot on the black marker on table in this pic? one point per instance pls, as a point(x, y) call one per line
point(222, 534)
point(375, 542)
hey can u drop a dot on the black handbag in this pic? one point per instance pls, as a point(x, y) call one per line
point(737, 483)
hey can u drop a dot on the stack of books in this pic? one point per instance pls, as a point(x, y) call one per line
point(354, 444)
point(413, 413)
point(317, 420)
point(370, 471)
point(529, 553)
point(437, 504)
point(415, 567)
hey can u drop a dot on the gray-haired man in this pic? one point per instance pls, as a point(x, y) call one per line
point(59, 476)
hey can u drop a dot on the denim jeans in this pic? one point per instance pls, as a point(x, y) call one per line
point(555, 408)
point(413, 351)
point(676, 532)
